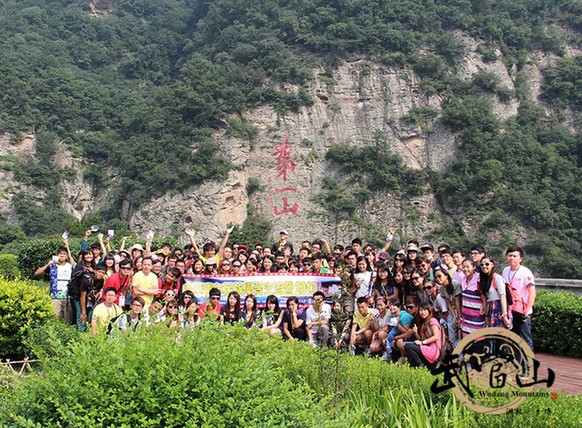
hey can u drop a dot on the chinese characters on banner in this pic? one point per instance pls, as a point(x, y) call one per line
point(285, 166)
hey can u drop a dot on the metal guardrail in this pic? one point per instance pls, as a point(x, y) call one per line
point(559, 283)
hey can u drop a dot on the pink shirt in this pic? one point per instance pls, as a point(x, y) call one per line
point(432, 351)
point(520, 280)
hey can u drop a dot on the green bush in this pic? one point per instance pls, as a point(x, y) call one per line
point(35, 253)
point(21, 307)
point(557, 326)
point(208, 379)
point(9, 266)
point(218, 376)
point(50, 338)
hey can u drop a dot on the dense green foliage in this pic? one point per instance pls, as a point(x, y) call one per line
point(522, 171)
point(137, 93)
point(9, 266)
point(35, 253)
point(563, 85)
point(221, 376)
point(254, 229)
point(22, 306)
point(558, 315)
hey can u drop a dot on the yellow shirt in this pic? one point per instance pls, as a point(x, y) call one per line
point(145, 282)
point(362, 320)
point(103, 314)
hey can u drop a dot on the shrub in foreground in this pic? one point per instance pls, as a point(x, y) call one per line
point(9, 266)
point(557, 325)
point(22, 306)
point(218, 376)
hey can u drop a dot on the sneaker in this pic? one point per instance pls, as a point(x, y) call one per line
point(313, 343)
point(400, 361)
point(387, 356)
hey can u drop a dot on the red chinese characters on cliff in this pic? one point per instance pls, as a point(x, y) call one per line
point(285, 165)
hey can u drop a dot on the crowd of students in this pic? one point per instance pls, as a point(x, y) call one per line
point(412, 304)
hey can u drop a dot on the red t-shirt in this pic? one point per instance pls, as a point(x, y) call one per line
point(119, 284)
point(205, 309)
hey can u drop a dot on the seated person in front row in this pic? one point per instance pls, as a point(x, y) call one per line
point(400, 323)
point(317, 320)
point(361, 335)
point(294, 320)
point(412, 304)
point(213, 307)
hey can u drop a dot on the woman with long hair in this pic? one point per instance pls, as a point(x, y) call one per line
point(363, 278)
point(191, 317)
point(473, 301)
point(185, 299)
point(426, 349)
point(399, 260)
point(272, 316)
point(86, 261)
point(249, 314)
point(109, 262)
point(451, 291)
point(267, 265)
point(225, 267)
point(198, 267)
point(231, 311)
point(383, 285)
point(493, 286)
point(242, 258)
point(171, 315)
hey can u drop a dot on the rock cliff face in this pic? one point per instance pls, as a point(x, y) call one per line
point(286, 160)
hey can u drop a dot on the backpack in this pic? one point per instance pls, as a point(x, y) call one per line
point(74, 285)
point(514, 301)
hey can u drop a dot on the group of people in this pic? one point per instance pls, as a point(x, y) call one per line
point(412, 304)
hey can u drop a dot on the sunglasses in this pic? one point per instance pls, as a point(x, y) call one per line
point(172, 307)
point(486, 264)
point(414, 278)
point(235, 265)
point(215, 298)
point(428, 287)
point(410, 307)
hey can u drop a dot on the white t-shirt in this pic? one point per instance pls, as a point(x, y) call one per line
point(312, 316)
point(364, 287)
point(382, 321)
point(64, 273)
point(495, 294)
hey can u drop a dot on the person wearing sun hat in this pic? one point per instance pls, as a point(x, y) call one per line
point(412, 253)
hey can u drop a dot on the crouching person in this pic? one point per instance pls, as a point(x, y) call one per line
point(317, 320)
point(361, 334)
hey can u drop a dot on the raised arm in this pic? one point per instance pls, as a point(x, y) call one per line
point(327, 247)
point(224, 242)
point(123, 241)
point(70, 258)
point(102, 244)
point(191, 233)
point(389, 239)
point(43, 268)
point(148, 246)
